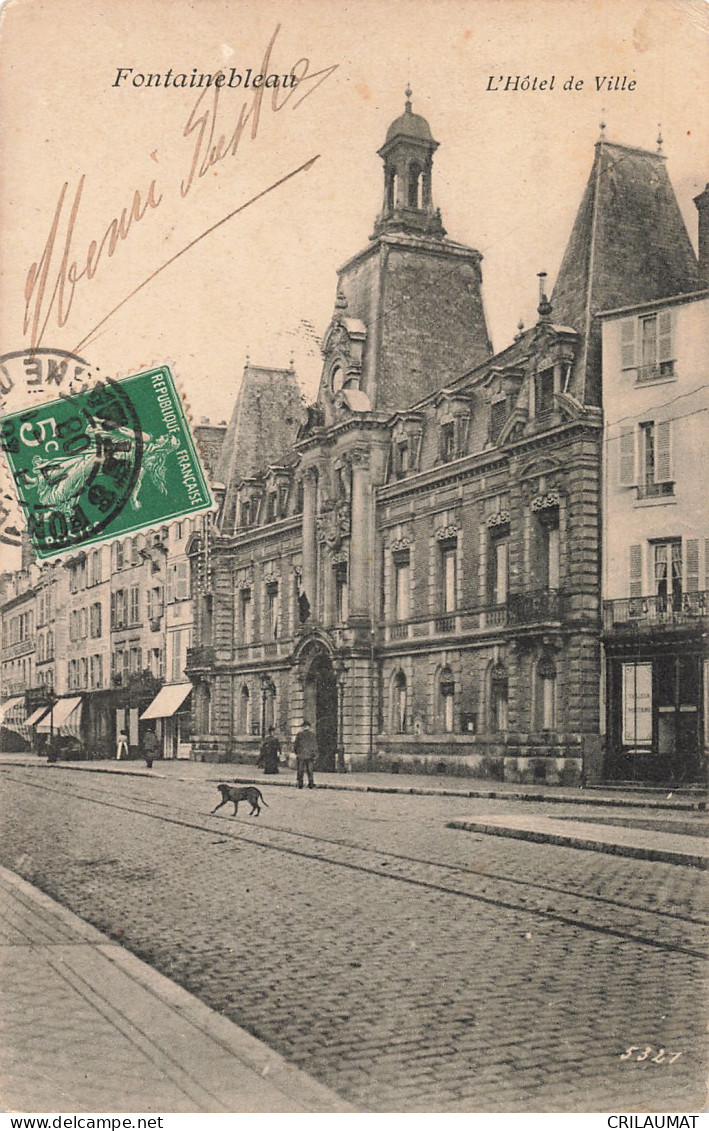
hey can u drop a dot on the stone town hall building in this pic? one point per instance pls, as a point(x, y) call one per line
point(414, 565)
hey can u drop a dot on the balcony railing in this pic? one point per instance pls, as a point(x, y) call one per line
point(200, 657)
point(680, 609)
point(536, 606)
point(445, 624)
point(400, 631)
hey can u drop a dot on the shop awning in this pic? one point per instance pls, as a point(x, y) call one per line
point(36, 716)
point(167, 701)
point(62, 721)
point(8, 705)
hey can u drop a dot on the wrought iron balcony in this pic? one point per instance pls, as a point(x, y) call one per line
point(200, 657)
point(536, 606)
point(656, 611)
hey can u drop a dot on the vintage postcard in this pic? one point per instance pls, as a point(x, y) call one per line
point(354, 692)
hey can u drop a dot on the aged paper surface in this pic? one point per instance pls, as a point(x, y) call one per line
point(147, 218)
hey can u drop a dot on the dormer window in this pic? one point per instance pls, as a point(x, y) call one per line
point(245, 512)
point(402, 458)
point(448, 441)
point(272, 506)
point(544, 392)
point(498, 416)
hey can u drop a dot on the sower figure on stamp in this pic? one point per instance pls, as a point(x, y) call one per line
point(306, 749)
point(150, 747)
point(121, 745)
point(270, 753)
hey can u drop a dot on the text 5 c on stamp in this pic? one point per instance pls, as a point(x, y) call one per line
point(115, 458)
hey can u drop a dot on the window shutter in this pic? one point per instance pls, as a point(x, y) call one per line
point(627, 457)
point(627, 343)
point(636, 571)
point(663, 452)
point(664, 336)
point(692, 567)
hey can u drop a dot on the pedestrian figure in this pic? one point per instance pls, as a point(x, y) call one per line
point(121, 745)
point(150, 747)
point(270, 754)
point(306, 748)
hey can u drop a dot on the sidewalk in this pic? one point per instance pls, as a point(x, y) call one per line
point(87, 1027)
point(641, 843)
point(689, 799)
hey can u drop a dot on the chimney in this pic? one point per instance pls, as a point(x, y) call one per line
point(702, 205)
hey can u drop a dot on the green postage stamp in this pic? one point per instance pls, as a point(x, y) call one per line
point(101, 463)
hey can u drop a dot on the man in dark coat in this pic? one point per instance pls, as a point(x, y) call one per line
point(306, 748)
point(150, 747)
point(270, 753)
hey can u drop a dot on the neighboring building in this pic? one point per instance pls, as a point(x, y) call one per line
point(17, 667)
point(656, 535)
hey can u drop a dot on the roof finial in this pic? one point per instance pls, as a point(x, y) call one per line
point(520, 329)
point(544, 308)
point(602, 125)
point(407, 92)
point(291, 363)
point(248, 359)
point(659, 138)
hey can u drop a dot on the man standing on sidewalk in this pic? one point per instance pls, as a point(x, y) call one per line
point(150, 747)
point(305, 750)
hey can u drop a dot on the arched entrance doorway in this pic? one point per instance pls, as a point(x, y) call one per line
point(320, 707)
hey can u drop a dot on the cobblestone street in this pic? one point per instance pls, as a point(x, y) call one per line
point(407, 965)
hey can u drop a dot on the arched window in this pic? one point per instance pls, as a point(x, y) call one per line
point(390, 190)
point(498, 697)
point(398, 703)
point(545, 694)
point(446, 697)
point(414, 187)
point(244, 711)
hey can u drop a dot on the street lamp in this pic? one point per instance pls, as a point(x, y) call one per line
point(340, 673)
point(52, 700)
point(268, 687)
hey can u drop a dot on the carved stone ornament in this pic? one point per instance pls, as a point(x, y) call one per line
point(340, 558)
point(445, 532)
point(244, 583)
point(500, 518)
point(400, 544)
point(333, 525)
point(544, 502)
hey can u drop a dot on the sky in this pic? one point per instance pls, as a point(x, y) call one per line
point(200, 257)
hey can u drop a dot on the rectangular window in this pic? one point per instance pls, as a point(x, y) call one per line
point(667, 558)
point(96, 567)
point(155, 603)
point(692, 566)
point(656, 459)
point(245, 616)
point(245, 513)
point(96, 619)
point(341, 593)
point(402, 587)
point(497, 571)
point(272, 611)
point(135, 605)
point(646, 345)
point(449, 576)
